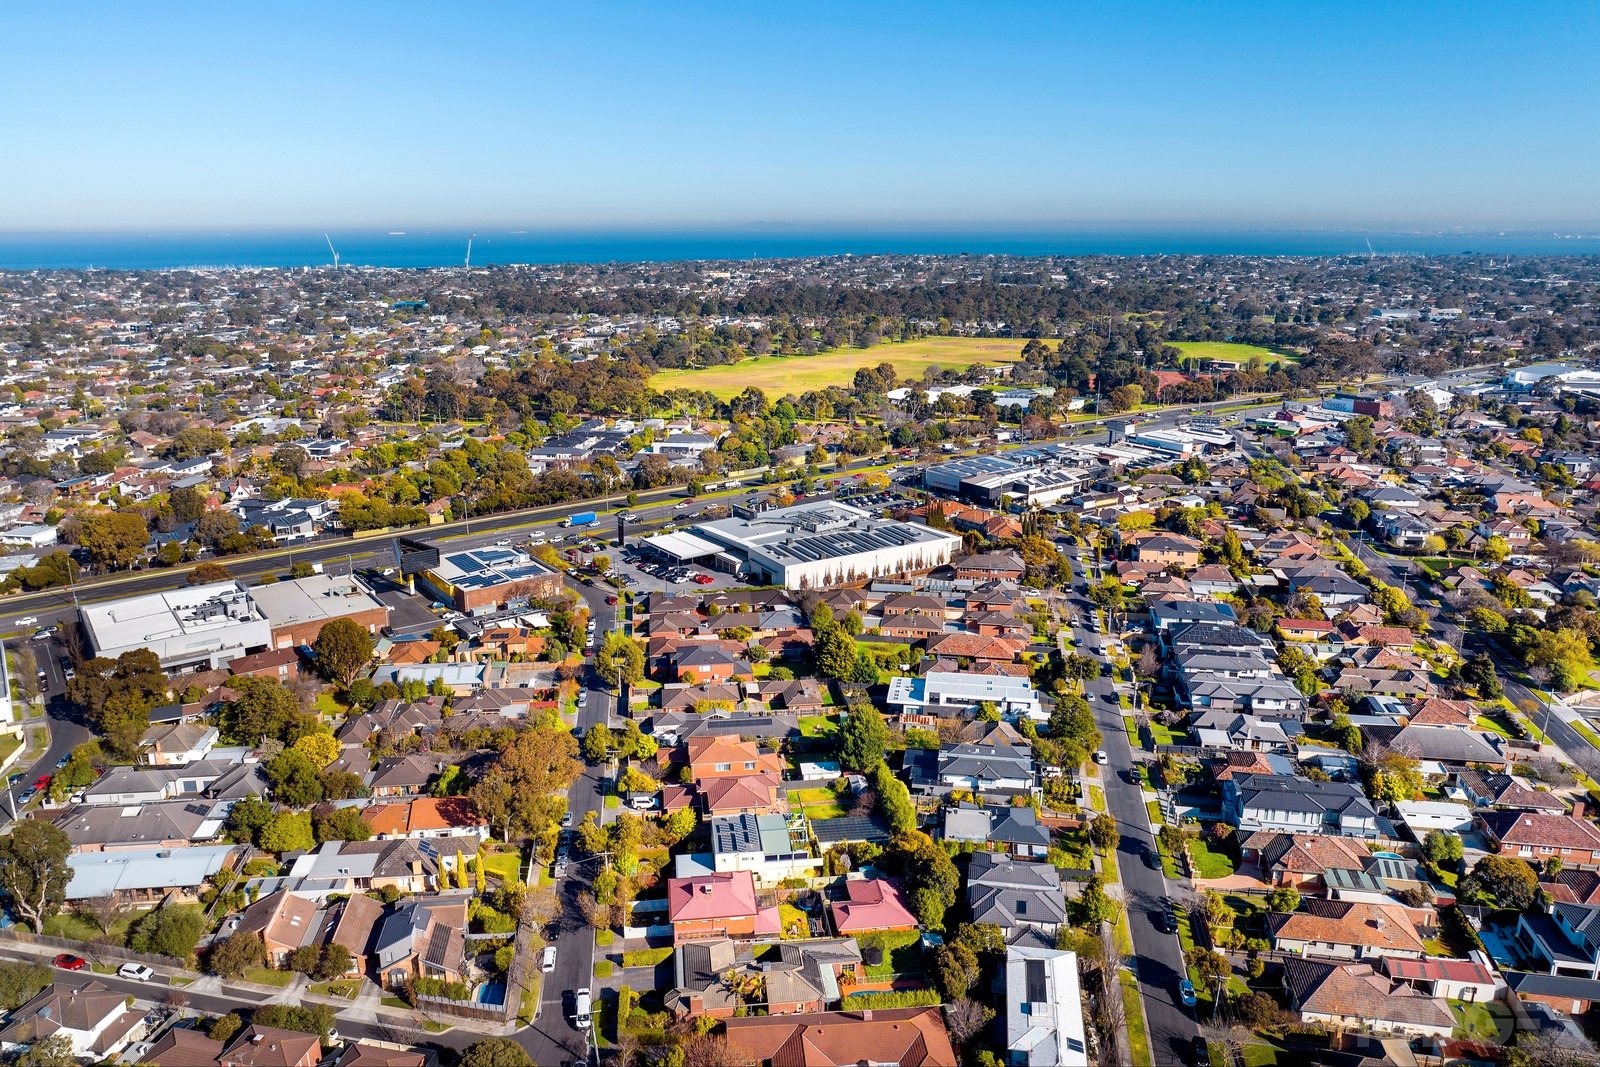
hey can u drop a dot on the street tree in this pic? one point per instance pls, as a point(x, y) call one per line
point(33, 869)
point(343, 649)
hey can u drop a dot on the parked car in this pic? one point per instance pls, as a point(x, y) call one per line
point(1186, 993)
point(704, 579)
point(1100, 757)
point(1169, 917)
point(547, 962)
point(566, 820)
point(136, 971)
point(68, 962)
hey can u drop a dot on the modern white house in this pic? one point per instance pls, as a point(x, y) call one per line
point(770, 847)
point(1044, 1009)
point(937, 691)
point(1291, 804)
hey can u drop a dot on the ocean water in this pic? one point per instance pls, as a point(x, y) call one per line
point(448, 248)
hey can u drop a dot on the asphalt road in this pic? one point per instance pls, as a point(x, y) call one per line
point(1158, 957)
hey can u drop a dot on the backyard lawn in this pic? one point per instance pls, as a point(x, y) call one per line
point(902, 952)
point(817, 803)
point(1209, 863)
point(819, 727)
point(74, 926)
point(1480, 1022)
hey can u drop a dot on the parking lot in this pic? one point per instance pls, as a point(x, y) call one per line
point(643, 573)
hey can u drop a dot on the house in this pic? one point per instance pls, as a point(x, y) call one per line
point(1301, 860)
point(283, 921)
point(424, 937)
point(1564, 938)
point(986, 767)
point(991, 567)
point(716, 905)
point(771, 847)
point(353, 925)
point(871, 904)
point(267, 1046)
point(398, 776)
point(1293, 804)
point(178, 744)
point(1015, 894)
point(1044, 1009)
point(1562, 993)
point(1017, 830)
point(347, 867)
point(1345, 930)
point(1353, 996)
point(93, 1018)
point(728, 757)
point(362, 1054)
point(179, 1047)
point(915, 1037)
point(422, 817)
point(1537, 836)
point(1164, 549)
point(145, 875)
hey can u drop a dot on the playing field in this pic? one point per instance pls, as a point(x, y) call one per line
point(1193, 350)
point(778, 375)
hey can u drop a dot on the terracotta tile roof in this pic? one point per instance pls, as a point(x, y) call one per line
point(1540, 830)
point(1355, 990)
point(422, 813)
point(1379, 927)
point(910, 1037)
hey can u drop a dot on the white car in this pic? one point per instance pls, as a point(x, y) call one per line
point(1100, 757)
point(680, 507)
point(504, 542)
point(136, 971)
point(27, 620)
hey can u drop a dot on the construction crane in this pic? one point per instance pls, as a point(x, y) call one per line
point(335, 251)
point(470, 236)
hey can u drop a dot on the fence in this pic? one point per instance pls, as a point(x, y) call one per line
point(467, 1009)
point(93, 950)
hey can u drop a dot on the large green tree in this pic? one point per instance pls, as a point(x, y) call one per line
point(863, 738)
point(33, 869)
point(619, 650)
point(343, 649)
point(114, 539)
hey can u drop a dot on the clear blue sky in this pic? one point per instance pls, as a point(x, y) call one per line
point(667, 114)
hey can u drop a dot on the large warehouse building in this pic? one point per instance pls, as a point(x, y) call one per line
point(297, 610)
point(198, 628)
point(816, 545)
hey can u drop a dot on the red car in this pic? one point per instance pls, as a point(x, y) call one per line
point(703, 579)
point(68, 962)
point(611, 600)
point(43, 783)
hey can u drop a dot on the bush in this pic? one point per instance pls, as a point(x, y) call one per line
point(170, 931)
point(646, 957)
point(602, 969)
point(303, 1019)
point(224, 1028)
point(235, 955)
point(438, 987)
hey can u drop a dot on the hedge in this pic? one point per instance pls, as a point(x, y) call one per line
point(921, 998)
point(646, 957)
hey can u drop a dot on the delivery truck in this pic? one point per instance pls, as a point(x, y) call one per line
point(582, 518)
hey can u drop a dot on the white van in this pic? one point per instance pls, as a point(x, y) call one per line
point(580, 1015)
point(547, 962)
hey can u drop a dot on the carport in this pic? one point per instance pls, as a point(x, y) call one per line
point(680, 546)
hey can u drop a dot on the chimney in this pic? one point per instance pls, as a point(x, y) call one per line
point(1577, 809)
point(705, 888)
point(1377, 922)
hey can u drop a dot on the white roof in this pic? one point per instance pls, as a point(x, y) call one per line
point(681, 544)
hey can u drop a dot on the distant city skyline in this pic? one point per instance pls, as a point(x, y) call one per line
point(931, 116)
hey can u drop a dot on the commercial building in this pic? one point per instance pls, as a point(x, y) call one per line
point(198, 628)
point(827, 543)
point(297, 610)
point(480, 578)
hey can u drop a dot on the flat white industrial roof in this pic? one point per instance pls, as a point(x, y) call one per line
point(321, 596)
point(681, 544)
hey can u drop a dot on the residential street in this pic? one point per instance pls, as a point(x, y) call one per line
point(1157, 959)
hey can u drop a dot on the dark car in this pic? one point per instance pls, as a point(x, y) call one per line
point(68, 962)
point(1168, 919)
point(1152, 859)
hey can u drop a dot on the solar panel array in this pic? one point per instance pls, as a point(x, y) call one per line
point(824, 546)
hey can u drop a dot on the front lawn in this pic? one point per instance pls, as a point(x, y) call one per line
point(1208, 862)
point(77, 928)
point(505, 865)
point(269, 976)
point(902, 952)
point(1493, 725)
point(817, 803)
point(646, 957)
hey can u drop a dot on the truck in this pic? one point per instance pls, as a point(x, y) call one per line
point(582, 518)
